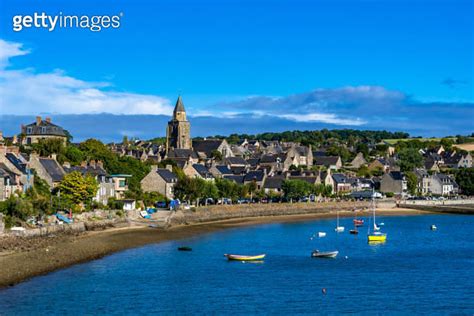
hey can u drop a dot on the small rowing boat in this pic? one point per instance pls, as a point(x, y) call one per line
point(321, 234)
point(185, 248)
point(353, 231)
point(433, 227)
point(324, 254)
point(358, 222)
point(245, 258)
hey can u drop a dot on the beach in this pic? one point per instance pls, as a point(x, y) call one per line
point(52, 253)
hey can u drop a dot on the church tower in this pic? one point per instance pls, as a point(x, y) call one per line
point(178, 133)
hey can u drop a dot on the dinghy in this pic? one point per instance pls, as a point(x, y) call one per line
point(338, 229)
point(245, 258)
point(185, 248)
point(321, 234)
point(324, 254)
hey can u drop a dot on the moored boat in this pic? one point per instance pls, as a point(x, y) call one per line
point(324, 254)
point(185, 248)
point(321, 234)
point(338, 229)
point(353, 231)
point(433, 227)
point(245, 258)
point(376, 236)
point(358, 222)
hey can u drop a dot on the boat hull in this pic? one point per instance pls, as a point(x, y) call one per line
point(377, 238)
point(245, 258)
point(327, 254)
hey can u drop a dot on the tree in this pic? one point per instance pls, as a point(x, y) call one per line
point(363, 172)
point(77, 189)
point(216, 155)
point(363, 148)
point(410, 159)
point(412, 182)
point(295, 189)
point(465, 180)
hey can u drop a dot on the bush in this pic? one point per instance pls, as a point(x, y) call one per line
point(389, 194)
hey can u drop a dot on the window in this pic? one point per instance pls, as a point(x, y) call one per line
point(122, 183)
point(28, 130)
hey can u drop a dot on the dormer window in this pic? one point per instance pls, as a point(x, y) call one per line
point(28, 130)
point(43, 130)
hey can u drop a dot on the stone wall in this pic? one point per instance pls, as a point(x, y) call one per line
point(223, 212)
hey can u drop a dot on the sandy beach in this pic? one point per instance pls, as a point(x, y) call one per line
point(59, 252)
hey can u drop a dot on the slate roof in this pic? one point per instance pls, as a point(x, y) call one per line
point(203, 171)
point(7, 173)
point(182, 153)
point(273, 182)
point(256, 175)
point(206, 146)
point(95, 171)
point(16, 162)
point(396, 175)
point(235, 178)
point(167, 175)
point(237, 170)
point(53, 168)
point(253, 162)
point(179, 107)
point(236, 161)
point(43, 128)
point(224, 169)
point(340, 178)
point(326, 160)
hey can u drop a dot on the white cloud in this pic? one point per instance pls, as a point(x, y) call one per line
point(27, 92)
point(323, 118)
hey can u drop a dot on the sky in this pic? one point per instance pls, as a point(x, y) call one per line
point(366, 64)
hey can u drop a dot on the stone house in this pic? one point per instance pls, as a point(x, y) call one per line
point(442, 184)
point(41, 129)
point(273, 184)
point(47, 169)
point(205, 147)
point(330, 162)
point(161, 180)
point(219, 171)
point(394, 181)
point(257, 176)
point(198, 171)
point(358, 161)
point(9, 182)
point(341, 183)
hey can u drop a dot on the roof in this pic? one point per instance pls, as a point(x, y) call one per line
point(253, 162)
point(167, 175)
point(207, 146)
point(202, 170)
point(95, 171)
point(44, 128)
point(310, 180)
point(7, 173)
point(237, 170)
point(396, 175)
point(326, 160)
point(256, 175)
point(273, 182)
point(179, 107)
point(52, 167)
point(181, 153)
point(235, 178)
point(236, 161)
point(16, 162)
point(223, 169)
point(339, 178)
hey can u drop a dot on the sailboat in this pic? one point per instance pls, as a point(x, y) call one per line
point(376, 236)
point(338, 229)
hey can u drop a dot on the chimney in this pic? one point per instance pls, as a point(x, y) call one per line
point(83, 164)
point(100, 164)
point(66, 164)
point(38, 120)
point(92, 163)
point(169, 167)
point(48, 119)
point(53, 156)
point(15, 139)
point(154, 168)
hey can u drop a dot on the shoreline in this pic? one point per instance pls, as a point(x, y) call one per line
point(70, 250)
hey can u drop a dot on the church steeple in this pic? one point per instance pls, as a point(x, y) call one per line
point(179, 112)
point(178, 131)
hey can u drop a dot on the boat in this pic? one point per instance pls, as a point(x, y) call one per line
point(324, 254)
point(321, 234)
point(185, 248)
point(245, 258)
point(338, 229)
point(433, 227)
point(376, 236)
point(358, 222)
point(354, 231)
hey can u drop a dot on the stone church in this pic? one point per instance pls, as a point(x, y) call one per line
point(178, 133)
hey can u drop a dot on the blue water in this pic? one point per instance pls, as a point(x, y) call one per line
point(416, 271)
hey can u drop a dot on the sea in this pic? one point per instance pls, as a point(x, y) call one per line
point(416, 271)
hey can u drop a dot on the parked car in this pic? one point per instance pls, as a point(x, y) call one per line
point(161, 204)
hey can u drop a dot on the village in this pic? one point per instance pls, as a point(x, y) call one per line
point(42, 172)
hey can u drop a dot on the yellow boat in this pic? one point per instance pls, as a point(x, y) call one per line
point(245, 258)
point(377, 237)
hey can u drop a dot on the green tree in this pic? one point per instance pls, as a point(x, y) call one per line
point(465, 180)
point(409, 159)
point(77, 189)
point(216, 155)
point(295, 189)
point(412, 182)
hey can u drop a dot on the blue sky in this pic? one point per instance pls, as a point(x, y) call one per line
point(363, 64)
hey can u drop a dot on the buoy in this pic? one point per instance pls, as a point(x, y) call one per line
point(324, 290)
point(346, 257)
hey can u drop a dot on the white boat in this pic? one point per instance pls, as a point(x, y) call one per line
point(338, 229)
point(321, 234)
point(433, 227)
point(324, 254)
